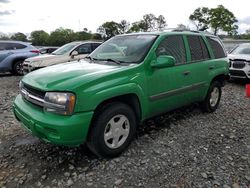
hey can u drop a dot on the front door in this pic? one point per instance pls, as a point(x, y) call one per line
point(170, 87)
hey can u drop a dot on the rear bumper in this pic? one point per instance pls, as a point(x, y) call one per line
point(57, 129)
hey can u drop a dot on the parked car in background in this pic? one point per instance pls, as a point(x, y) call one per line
point(13, 54)
point(47, 50)
point(239, 64)
point(69, 52)
point(102, 99)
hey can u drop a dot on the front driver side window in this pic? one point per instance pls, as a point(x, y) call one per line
point(173, 46)
point(84, 49)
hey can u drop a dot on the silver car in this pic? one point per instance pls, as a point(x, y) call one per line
point(69, 52)
point(239, 64)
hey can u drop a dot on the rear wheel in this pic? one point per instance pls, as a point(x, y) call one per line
point(212, 100)
point(112, 130)
point(18, 68)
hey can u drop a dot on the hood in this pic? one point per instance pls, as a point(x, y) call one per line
point(239, 56)
point(42, 57)
point(46, 60)
point(68, 76)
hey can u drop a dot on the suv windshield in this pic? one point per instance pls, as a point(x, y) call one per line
point(241, 49)
point(124, 49)
point(64, 49)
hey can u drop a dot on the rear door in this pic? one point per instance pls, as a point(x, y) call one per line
point(83, 50)
point(200, 63)
point(5, 50)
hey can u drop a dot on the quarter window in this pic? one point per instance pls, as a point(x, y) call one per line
point(216, 47)
point(198, 48)
point(173, 46)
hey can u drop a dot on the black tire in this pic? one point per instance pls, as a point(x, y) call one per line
point(207, 105)
point(96, 141)
point(17, 68)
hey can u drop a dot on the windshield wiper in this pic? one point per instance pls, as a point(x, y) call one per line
point(112, 60)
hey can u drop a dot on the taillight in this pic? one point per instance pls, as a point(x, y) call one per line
point(35, 51)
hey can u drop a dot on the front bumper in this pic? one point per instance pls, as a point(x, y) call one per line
point(241, 73)
point(54, 128)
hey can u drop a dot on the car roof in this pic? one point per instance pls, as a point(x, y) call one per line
point(15, 41)
point(172, 32)
point(83, 42)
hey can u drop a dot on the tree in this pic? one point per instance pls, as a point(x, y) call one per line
point(182, 27)
point(109, 29)
point(161, 23)
point(39, 38)
point(19, 36)
point(61, 36)
point(222, 19)
point(200, 18)
point(217, 19)
point(149, 23)
point(4, 36)
point(124, 26)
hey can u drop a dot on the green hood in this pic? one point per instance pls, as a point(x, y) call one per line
point(67, 76)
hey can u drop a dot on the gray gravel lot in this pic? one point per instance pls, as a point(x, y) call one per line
point(184, 148)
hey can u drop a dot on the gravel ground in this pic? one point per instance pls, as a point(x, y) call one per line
point(184, 148)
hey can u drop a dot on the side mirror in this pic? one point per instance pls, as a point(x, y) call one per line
point(164, 61)
point(74, 53)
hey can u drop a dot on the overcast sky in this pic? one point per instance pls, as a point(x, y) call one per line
point(29, 15)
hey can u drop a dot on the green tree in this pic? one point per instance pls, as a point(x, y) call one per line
point(61, 36)
point(182, 27)
point(217, 19)
point(4, 37)
point(223, 19)
point(39, 38)
point(149, 23)
point(200, 18)
point(124, 26)
point(96, 36)
point(135, 27)
point(161, 23)
point(19, 36)
point(109, 29)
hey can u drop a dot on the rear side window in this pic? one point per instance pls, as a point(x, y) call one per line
point(198, 48)
point(173, 46)
point(17, 46)
point(11, 46)
point(216, 47)
point(84, 49)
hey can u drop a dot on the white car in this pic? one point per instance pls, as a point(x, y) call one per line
point(239, 62)
point(69, 52)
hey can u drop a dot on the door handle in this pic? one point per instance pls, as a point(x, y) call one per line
point(211, 67)
point(185, 73)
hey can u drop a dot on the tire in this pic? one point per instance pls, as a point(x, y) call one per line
point(17, 68)
point(112, 130)
point(212, 100)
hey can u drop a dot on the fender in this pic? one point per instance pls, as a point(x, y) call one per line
point(116, 91)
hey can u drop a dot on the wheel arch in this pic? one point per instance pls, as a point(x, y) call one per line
point(131, 99)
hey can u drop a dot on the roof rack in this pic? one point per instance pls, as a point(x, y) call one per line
point(189, 30)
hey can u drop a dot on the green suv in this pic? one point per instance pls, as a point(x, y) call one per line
point(102, 99)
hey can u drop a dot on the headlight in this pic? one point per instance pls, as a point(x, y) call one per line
point(61, 103)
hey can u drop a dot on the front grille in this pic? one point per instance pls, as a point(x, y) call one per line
point(33, 91)
point(237, 73)
point(239, 64)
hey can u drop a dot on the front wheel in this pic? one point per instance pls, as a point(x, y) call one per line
point(212, 100)
point(112, 130)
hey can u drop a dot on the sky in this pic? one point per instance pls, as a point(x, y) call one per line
point(29, 15)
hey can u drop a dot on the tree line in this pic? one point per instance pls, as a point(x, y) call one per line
point(217, 20)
